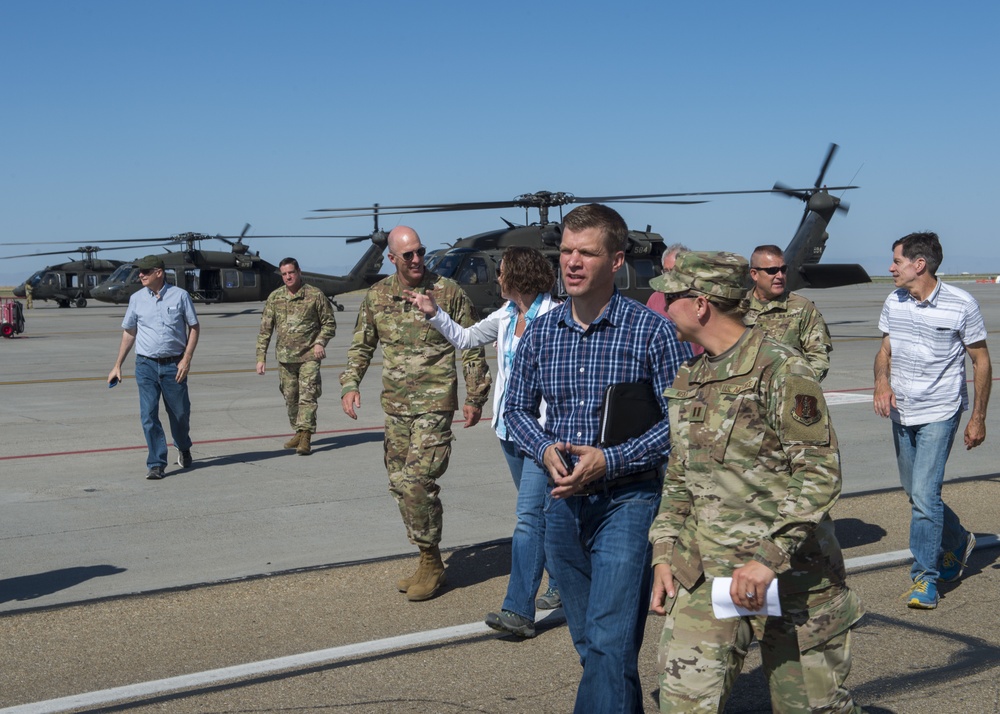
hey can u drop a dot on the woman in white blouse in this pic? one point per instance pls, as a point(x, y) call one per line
point(525, 279)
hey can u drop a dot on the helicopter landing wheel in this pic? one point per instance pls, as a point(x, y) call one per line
point(81, 302)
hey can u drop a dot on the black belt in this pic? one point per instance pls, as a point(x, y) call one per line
point(604, 486)
point(163, 360)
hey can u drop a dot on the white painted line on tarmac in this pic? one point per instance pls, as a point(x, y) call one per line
point(160, 687)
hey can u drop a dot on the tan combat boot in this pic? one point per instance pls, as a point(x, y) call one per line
point(429, 576)
point(403, 584)
point(304, 448)
point(293, 443)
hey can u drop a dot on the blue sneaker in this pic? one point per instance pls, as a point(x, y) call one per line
point(953, 561)
point(922, 596)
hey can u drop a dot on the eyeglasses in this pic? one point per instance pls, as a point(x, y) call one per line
point(773, 270)
point(408, 255)
point(671, 298)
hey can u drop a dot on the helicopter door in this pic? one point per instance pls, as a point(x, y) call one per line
point(211, 286)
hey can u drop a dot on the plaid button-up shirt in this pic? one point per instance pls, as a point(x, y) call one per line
point(570, 368)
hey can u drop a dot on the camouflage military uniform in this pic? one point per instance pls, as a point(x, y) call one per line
point(753, 472)
point(419, 391)
point(303, 320)
point(29, 295)
point(793, 320)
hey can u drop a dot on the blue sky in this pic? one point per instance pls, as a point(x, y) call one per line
point(140, 119)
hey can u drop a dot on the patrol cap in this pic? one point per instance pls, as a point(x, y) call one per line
point(149, 262)
point(723, 275)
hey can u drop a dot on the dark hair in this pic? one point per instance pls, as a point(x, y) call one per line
point(607, 220)
point(289, 261)
point(527, 271)
point(768, 249)
point(925, 245)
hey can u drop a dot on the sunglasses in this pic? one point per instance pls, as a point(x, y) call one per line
point(774, 270)
point(146, 271)
point(670, 299)
point(408, 255)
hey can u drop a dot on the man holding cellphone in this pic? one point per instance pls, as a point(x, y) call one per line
point(601, 504)
point(162, 325)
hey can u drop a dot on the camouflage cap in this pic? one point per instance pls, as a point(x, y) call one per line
point(149, 262)
point(724, 275)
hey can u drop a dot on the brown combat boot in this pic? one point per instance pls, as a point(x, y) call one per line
point(304, 448)
point(403, 584)
point(293, 443)
point(429, 576)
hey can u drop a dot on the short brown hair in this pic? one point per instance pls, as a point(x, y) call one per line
point(527, 271)
point(768, 249)
point(607, 220)
point(289, 261)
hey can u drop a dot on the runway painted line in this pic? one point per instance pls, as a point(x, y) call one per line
point(160, 687)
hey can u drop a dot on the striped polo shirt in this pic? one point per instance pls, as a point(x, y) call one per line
point(928, 340)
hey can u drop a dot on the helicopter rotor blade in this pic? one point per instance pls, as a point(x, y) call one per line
point(799, 193)
point(826, 164)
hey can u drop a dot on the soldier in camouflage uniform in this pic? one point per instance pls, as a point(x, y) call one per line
point(786, 317)
point(304, 319)
point(753, 472)
point(419, 394)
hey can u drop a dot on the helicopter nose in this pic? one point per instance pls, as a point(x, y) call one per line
point(19, 291)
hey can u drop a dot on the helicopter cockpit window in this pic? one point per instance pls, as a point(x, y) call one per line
point(170, 275)
point(51, 279)
point(445, 267)
point(230, 278)
point(36, 278)
point(473, 271)
point(644, 272)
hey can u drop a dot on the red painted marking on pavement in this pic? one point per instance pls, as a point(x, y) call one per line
point(207, 441)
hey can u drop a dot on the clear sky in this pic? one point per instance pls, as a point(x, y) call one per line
point(130, 119)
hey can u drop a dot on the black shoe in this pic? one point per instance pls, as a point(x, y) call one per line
point(184, 458)
point(155, 473)
point(511, 622)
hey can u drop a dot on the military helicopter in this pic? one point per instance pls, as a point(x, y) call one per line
point(69, 283)
point(473, 261)
point(234, 276)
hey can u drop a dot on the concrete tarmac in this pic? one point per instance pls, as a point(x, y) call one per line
point(255, 553)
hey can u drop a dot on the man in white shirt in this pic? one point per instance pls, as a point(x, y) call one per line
point(927, 328)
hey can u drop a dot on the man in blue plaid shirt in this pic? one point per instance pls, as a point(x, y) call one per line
point(597, 514)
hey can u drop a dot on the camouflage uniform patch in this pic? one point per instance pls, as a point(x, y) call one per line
point(794, 321)
point(750, 482)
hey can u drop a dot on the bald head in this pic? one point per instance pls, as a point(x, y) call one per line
point(406, 252)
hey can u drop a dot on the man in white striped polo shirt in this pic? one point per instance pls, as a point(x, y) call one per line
point(927, 328)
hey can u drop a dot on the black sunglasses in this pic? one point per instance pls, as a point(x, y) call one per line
point(408, 255)
point(672, 297)
point(773, 270)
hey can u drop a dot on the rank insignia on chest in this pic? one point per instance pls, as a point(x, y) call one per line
point(806, 409)
point(696, 412)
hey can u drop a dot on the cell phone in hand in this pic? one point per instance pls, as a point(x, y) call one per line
point(113, 383)
point(567, 462)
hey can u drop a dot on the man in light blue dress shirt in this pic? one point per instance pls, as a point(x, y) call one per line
point(162, 325)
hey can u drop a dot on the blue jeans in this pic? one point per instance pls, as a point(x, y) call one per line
point(921, 453)
point(527, 547)
point(153, 380)
point(598, 548)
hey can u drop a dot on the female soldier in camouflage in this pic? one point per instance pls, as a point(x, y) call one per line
point(754, 470)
